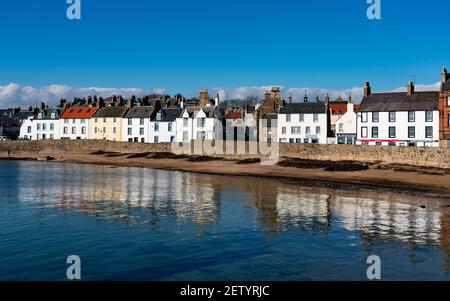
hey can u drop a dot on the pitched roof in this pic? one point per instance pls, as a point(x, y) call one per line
point(140, 112)
point(304, 108)
point(169, 114)
point(447, 86)
point(338, 107)
point(111, 112)
point(193, 111)
point(47, 114)
point(79, 113)
point(233, 115)
point(400, 101)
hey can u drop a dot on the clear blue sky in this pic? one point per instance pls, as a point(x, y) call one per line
point(184, 45)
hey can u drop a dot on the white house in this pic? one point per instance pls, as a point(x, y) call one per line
point(197, 123)
point(74, 122)
point(44, 125)
point(163, 127)
point(305, 122)
point(136, 124)
point(346, 126)
point(399, 119)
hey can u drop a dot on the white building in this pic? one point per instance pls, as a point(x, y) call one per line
point(44, 125)
point(305, 122)
point(74, 122)
point(136, 124)
point(346, 126)
point(399, 119)
point(163, 127)
point(197, 123)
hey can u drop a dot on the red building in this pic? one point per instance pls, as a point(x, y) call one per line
point(444, 107)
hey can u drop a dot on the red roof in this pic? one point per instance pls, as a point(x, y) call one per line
point(233, 115)
point(79, 113)
point(338, 108)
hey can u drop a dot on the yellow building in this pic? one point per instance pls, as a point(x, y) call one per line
point(107, 124)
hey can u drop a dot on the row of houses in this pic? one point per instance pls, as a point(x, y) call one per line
point(409, 118)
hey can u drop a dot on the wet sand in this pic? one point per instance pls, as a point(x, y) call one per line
point(409, 180)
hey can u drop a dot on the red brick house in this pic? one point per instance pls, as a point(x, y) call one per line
point(444, 107)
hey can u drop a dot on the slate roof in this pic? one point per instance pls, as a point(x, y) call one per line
point(140, 112)
point(251, 109)
point(47, 114)
point(400, 101)
point(304, 108)
point(447, 86)
point(169, 115)
point(193, 111)
point(111, 112)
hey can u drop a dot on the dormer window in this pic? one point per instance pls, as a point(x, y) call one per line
point(159, 116)
point(53, 115)
point(41, 115)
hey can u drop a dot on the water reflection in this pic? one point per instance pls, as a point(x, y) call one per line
point(146, 196)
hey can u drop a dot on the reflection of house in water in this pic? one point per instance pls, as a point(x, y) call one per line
point(303, 210)
point(195, 198)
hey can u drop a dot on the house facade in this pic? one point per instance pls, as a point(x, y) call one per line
point(136, 124)
point(197, 123)
point(346, 126)
point(46, 125)
point(399, 119)
point(74, 122)
point(305, 122)
point(163, 127)
point(106, 124)
point(444, 108)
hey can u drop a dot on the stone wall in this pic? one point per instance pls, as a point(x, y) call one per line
point(430, 157)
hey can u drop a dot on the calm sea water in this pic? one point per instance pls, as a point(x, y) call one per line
point(142, 224)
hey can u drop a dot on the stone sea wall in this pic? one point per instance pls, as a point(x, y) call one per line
point(429, 157)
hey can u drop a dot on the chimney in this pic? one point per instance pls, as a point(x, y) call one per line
point(367, 89)
point(349, 99)
point(290, 98)
point(217, 100)
point(410, 88)
point(327, 98)
point(444, 75)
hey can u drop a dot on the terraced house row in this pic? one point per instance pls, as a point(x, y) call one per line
point(410, 118)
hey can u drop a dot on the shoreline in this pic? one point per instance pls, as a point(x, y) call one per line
point(405, 180)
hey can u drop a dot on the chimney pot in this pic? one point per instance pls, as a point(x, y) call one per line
point(410, 88)
point(367, 89)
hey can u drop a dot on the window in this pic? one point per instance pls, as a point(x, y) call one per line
point(38, 136)
point(201, 135)
point(130, 121)
point(341, 127)
point(66, 121)
point(364, 132)
point(38, 126)
point(130, 131)
point(283, 130)
point(95, 120)
point(429, 116)
point(156, 139)
point(95, 130)
point(170, 126)
point(44, 126)
point(65, 130)
point(29, 130)
point(411, 116)
point(185, 136)
point(141, 131)
point(288, 117)
point(156, 127)
point(291, 140)
point(130, 139)
point(295, 130)
point(141, 121)
point(73, 121)
point(448, 119)
point(429, 131)
point(411, 132)
point(317, 130)
point(364, 117)
point(104, 130)
point(52, 136)
point(392, 132)
point(52, 127)
point(301, 118)
point(448, 101)
point(83, 121)
point(114, 130)
point(308, 130)
point(185, 122)
point(375, 132)
point(83, 130)
point(375, 117)
point(392, 117)
point(114, 120)
point(201, 122)
point(315, 117)
point(74, 130)
point(104, 120)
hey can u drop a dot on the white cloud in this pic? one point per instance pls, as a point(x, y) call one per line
point(14, 95)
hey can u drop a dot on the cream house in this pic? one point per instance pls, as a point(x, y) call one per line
point(107, 124)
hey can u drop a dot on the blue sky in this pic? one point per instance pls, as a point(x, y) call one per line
point(181, 45)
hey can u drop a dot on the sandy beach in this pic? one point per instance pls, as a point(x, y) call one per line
point(409, 180)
